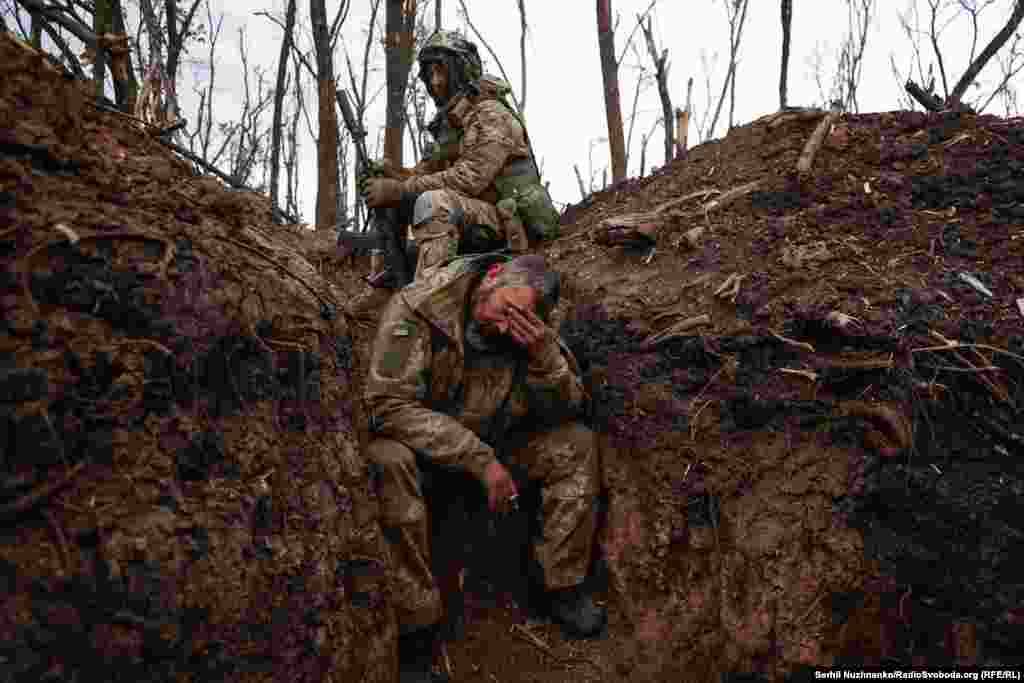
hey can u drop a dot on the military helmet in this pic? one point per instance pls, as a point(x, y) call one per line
point(458, 54)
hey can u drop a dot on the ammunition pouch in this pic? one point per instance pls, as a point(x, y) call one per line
point(519, 181)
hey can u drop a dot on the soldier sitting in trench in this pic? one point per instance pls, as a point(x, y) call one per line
point(464, 372)
point(480, 190)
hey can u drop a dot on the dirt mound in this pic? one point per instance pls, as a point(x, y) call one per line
point(181, 496)
point(827, 469)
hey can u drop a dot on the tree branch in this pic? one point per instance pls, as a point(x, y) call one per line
point(928, 100)
point(990, 50)
point(483, 41)
point(58, 16)
point(934, 37)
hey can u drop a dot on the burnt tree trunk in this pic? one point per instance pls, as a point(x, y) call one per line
point(787, 26)
point(126, 85)
point(175, 44)
point(277, 131)
point(610, 74)
point(661, 72)
point(399, 21)
point(102, 23)
point(327, 137)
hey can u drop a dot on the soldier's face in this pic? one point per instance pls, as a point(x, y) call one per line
point(493, 308)
point(439, 81)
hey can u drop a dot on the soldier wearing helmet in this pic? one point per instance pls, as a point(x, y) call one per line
point(480, 190)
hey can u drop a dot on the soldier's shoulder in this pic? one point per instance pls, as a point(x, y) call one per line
point(492, 112)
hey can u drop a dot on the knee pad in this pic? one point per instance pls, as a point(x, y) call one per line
point(427, 207)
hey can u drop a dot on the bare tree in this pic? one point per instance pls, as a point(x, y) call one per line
point(201, 137)
point(953, 97)
point(437, 15)
point(707, 68)
point(610, 75)
point(851, 54)
point(997, 42)
point(1010, 64)
point(661, 67)
point(643, 82)
point(327, 118)
point(282, 76)
point(247, 148)
point(517, 101)
point(400, 22)
point(102, 33)
point(787, 27)
point(736, 13)
point(359, 92)
point(176, 38)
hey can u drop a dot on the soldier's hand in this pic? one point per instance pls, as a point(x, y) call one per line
point(500, 486)
point(527, 329)
point(382, 192)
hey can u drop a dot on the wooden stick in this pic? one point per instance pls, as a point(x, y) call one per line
point(679, 328)
point(803, 165)
point(928, 100)
point(792, 342)
point(806, 374)
point(448, 670)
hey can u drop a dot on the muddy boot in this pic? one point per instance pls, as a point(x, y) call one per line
point(416, 655)
point(576, 612)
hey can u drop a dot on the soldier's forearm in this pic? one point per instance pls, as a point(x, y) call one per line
point(440, 438)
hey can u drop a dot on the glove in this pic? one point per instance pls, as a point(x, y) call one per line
point(382, 192)
point(373, 170)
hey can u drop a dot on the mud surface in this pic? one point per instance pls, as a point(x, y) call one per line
point(828, 471)
point(181, 496)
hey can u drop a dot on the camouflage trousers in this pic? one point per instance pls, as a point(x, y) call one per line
point(563, 460)
point(444, 220)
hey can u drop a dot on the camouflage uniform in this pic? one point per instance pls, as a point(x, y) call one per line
point(430, 396)
point(457, 190)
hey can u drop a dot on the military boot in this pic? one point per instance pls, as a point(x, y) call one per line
point(416, 655)
point(575, 610)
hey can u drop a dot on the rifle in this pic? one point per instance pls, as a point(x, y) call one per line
point(386, 228)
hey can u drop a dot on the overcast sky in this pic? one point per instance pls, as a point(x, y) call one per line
point(565, 104)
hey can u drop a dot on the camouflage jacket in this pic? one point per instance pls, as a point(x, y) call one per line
point(421, 391)
point(491, 136)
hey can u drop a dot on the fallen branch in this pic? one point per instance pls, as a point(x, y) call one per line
point(645, 225)
point(678, 329)
point(220, 174)
point(806, 374)
point(730, 289)
point(792, 342)
point(929, 101)
point(803, 164)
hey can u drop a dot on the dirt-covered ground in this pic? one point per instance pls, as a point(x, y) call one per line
point(829, 471)
point(826, 470)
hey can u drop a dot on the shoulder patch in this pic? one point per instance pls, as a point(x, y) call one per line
point(404, 328)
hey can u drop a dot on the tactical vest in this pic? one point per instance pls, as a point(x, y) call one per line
point(519, 179)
